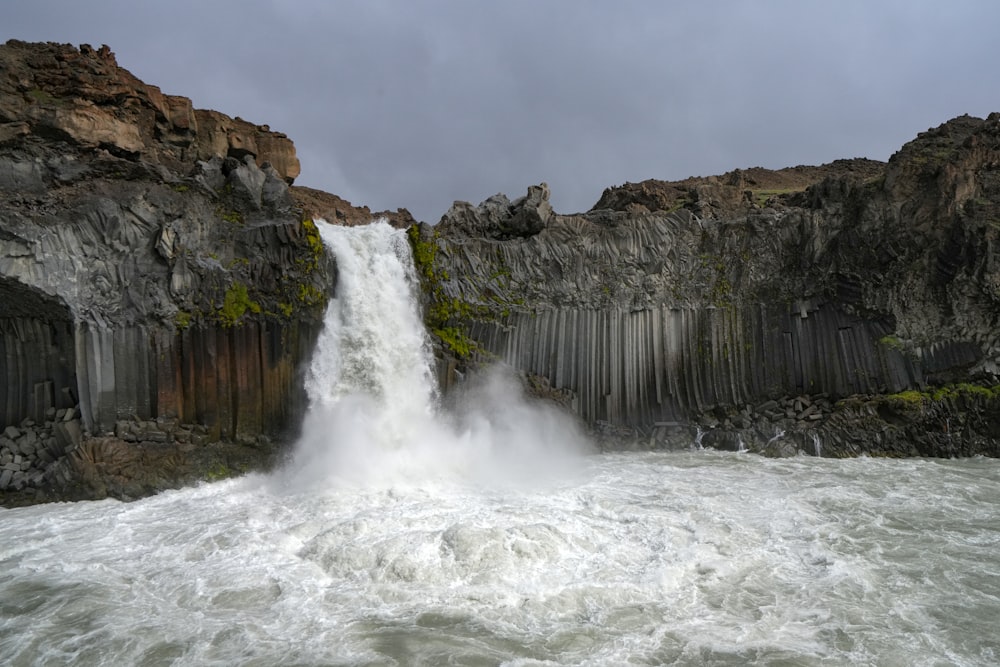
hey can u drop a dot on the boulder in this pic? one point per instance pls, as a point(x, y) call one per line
point(499, 218)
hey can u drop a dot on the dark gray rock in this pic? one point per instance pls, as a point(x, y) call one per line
point(499, 218)
point(671, 308)
point(137, 241)
point(22, 176)
point(245, 179)
point(68, 435)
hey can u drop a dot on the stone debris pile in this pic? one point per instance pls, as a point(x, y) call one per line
point(33, 454)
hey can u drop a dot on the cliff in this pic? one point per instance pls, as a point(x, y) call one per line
point(750, 305)
point(159, 280)
point(161, 284)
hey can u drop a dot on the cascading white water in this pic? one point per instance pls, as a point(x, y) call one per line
point(373, 342)
point(387, 540)
point(374, 416)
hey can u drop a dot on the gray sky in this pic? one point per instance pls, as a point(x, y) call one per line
point(395, 103)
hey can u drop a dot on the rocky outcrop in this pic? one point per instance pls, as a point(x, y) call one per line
point(154, 264)
point(317, 204)
point(499, 218)
point(733, 192)
point(694, 303)
point(82, 96)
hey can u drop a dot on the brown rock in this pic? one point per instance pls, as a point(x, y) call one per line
point(83, 96)
point(735, 192)
point(334, 209)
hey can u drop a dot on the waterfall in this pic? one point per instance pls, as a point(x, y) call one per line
point(374, 412)
point(817, 445)
point(373, 342)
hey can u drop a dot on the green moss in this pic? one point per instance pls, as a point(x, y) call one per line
point(235, 305)
point(891, 342)
point(218, 472)
point(909, 397)
point(315, 243)
point(916, 398)
point(180, 187)
point(424, 253)
point(231, 216)
point(965, 389)
point(182, 320)
point(722, 291)
point(456, 340)
point(298, 290)
point(309, 295)
point(443, 313)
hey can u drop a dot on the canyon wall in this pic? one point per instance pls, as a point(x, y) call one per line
point(157, 272)
point(162, 281)
point(715, 301)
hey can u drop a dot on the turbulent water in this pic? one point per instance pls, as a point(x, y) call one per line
point(487, 533)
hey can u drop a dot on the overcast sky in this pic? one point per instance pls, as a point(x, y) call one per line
point(410, 103)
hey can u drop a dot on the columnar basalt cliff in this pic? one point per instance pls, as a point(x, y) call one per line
point(753, 304)
point(158, 278)
point(162, 281)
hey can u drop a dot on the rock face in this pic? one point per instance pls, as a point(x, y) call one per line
point(698, 302)
point(82, 96)
point(318, 204)
point(153, 261)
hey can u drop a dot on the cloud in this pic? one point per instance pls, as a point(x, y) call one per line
point(415, 104)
